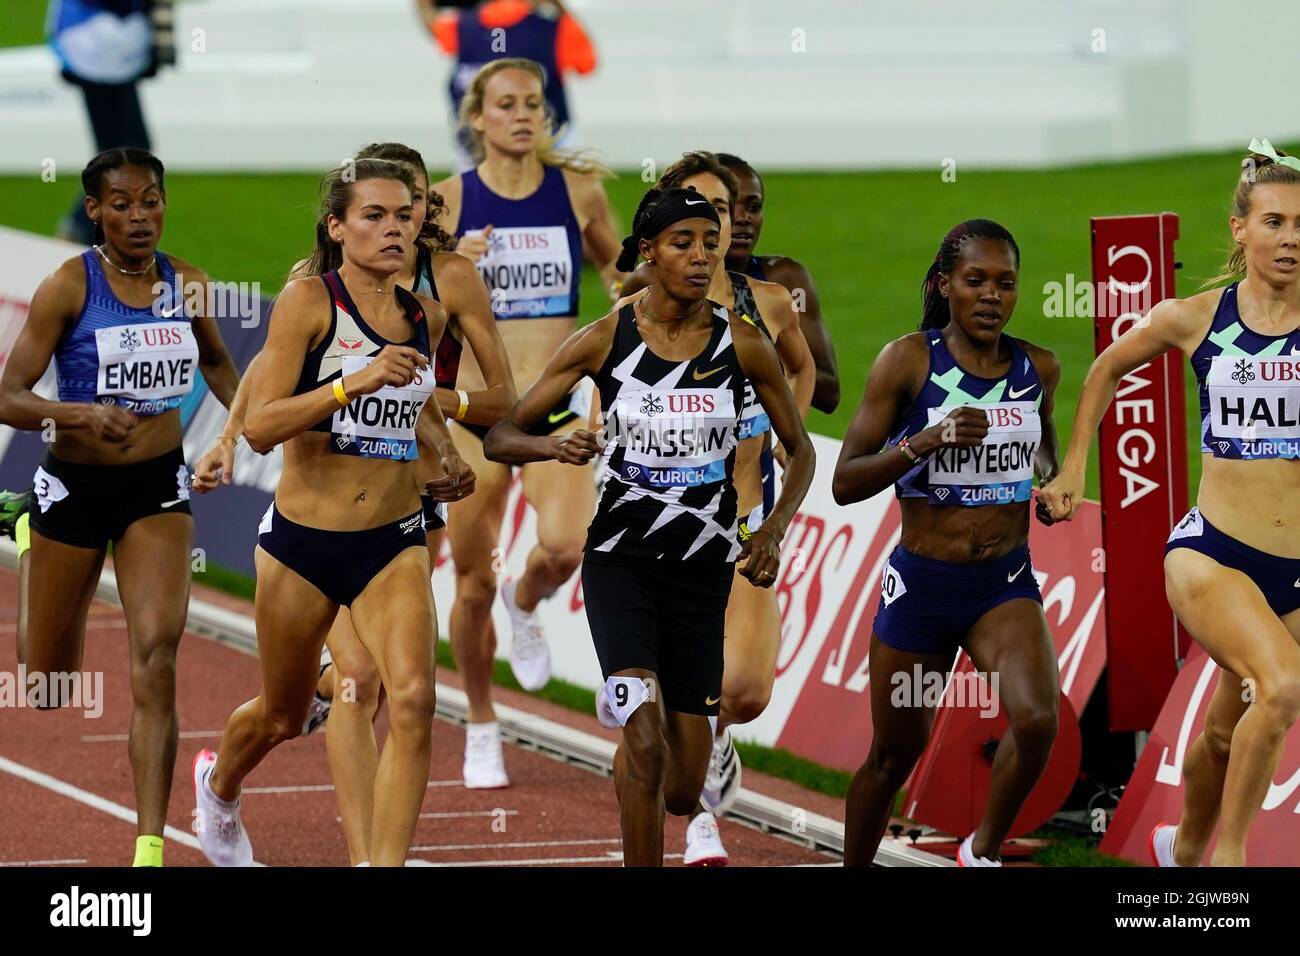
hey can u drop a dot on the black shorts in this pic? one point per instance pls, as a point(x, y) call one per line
point(435, 513)
point(665, 616)
point(90, 505)
point(339, 564)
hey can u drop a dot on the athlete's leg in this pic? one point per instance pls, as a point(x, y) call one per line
point(395, 620)
point(690, 741)
point(1012, 642)
point(61, 585)
point(23, 535)
point(901, 724)
point(152, 562)
point(473, 532)
point(564, 498)
point(749, 653)
point(640, 769)
point(350, 737)
point(1205, 766)
point(1228, 616)
point(292, 618)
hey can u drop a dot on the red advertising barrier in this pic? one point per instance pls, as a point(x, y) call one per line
point(1143, 454)
point(1155, 791)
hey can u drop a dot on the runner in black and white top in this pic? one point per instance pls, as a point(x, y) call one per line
point(671, 370)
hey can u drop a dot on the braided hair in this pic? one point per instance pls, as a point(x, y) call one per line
point(934, 307)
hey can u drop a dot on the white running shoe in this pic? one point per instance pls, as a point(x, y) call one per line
point(319, 711)
point(704, 843)
point(722, 782)
point(966, 856)
point(222, 837)
point(485, 766)
point(530, 655)
point(1161, 844)
point(604, 711)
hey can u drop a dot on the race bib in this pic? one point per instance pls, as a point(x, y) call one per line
point(382, 424)
point(1255, 404)
point(674, 437)
point(529, 271)
point(146, 368)
point(891, 585)
point(999, 470)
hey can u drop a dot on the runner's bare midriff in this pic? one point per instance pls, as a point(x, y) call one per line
point(530, 343)
point(963, 535)
point(333, 492)
point(1256, 502)
point(151, 437)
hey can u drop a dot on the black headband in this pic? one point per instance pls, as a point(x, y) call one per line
point(669, 208)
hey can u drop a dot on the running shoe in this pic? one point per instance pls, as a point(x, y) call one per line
point(222, 837)
point(530, 655)
point(485, 766)
point(704, 843)
point(319, 711)
point(966, 856)
point(722, 782)
point(1161, 844)
point(13, 505)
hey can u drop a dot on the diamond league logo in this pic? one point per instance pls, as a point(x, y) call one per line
point(633, 471)
point(941, 493)
point(1224, 446)
point(343, 441)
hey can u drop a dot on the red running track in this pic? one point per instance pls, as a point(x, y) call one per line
point(66, 787)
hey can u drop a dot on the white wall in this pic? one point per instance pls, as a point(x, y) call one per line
point(294, 84)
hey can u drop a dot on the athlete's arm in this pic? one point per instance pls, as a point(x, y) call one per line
point(275, 414)
point(758, 359)
point(466, 297)
point(57, 301)
point(215, 364)
point(457, 478)
point(800, 372)
point(1047, 462)
point(863, 469)
point(217, 465)
point(796, 278)
point(583, 353)
point(602, 245)
point(1171, 324)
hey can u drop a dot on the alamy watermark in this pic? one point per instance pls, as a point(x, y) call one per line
point(83, 690)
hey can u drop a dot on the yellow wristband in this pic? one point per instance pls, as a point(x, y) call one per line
point(340, 395)
point(464, 405)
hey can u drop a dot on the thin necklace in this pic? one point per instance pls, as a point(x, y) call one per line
point(655, 315)
point(125, 272)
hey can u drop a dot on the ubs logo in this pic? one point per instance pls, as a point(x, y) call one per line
point(1242, 372)
point(130, 340)
point(650, 405)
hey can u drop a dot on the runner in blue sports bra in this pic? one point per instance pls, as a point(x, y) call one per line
point(524, 215)
point(125, 358)
point(1232, 565)
point(958, 417)
point(346, 389)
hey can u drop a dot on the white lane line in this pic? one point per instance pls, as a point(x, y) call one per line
point(507, 846)
point(91, 625)
point(41, 862)
point(610, 858)
point(449, 815)
point(323, 787)
point(94, 801)
point(119, 738)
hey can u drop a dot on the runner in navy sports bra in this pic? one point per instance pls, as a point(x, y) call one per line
point(1232, 565)
point(524, 215)
point(958, 417)
point(125, 357)
point(346, 388)
point(671, 370)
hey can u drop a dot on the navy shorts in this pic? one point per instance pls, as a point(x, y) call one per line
point(90, 505)
point(929, 606)
point(664, 616)
point(339, 564)
point(1277, 578)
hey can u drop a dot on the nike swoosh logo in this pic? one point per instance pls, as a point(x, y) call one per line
point(168, 315)
point(1295, 350)
point(1297, 583)
point(168, 504)
point(1012, 393)
point(1015, 574)
point(555, 417)
point(710, 701)
point(696, 202)
point(701, 376)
